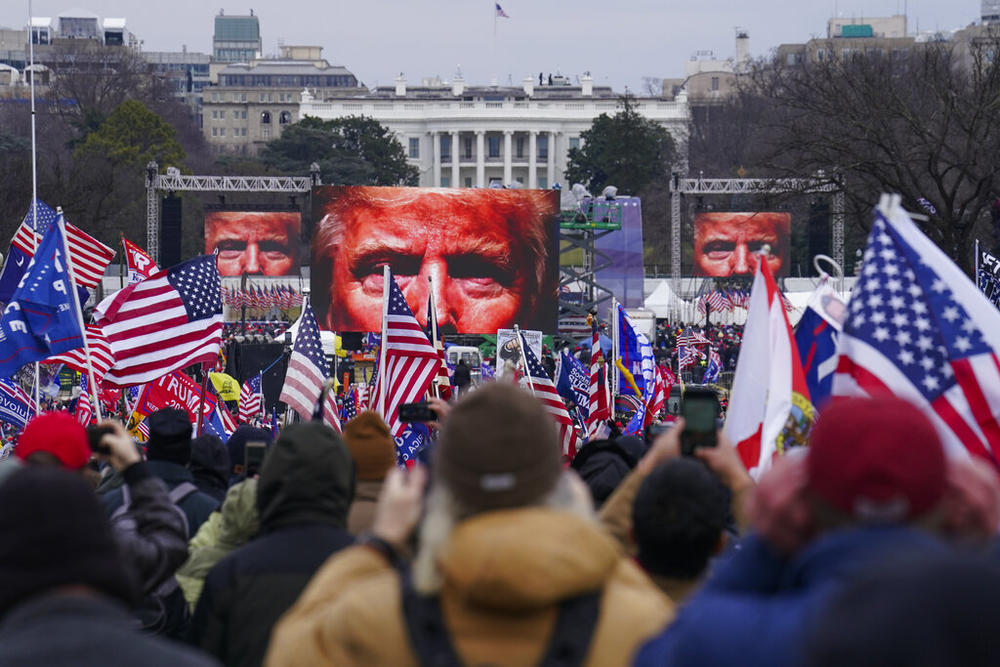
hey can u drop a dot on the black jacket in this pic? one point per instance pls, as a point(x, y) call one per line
point(305, 488)
point(71, 630)
point(196, 507)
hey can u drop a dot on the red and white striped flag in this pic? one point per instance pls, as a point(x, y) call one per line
point(100, 354)
point(538, 380)
point(411, 362)
point(90, 256)
point(84, 410)
point(250, 399)
point(164, 323)
point(599, 410)
point(307, 372)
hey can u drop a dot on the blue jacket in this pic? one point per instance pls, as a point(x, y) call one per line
point(757, 607)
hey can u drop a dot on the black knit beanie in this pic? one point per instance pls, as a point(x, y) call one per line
point(169, 436)
point(53, 533)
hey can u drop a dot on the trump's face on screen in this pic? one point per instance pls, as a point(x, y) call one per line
point(483, 253)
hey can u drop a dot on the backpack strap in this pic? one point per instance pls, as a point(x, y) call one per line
point(432, 645)
point(425, 624)
point(574, 631)
point(182, 491)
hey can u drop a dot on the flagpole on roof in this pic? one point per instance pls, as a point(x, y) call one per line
point(522, 342)
point(61, 222)
point(380, 380)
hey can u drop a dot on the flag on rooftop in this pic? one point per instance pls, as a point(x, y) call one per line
point(166, 322)
point(919, 328)
point(500, 13)
point(308, 370)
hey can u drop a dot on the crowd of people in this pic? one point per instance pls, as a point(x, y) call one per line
point(869, 547)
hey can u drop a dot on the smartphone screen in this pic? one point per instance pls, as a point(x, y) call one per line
point(700, 410)
point(253, 455)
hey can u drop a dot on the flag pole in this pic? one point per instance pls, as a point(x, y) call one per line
point(522, 342)
point(201, 399)
point(121, 267)
point(380, 380)
point(432, 322)
point(79, 315)
point(614, 345)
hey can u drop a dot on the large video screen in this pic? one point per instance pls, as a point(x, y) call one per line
point(491, 256)
point(255, 242)
point(727, 243)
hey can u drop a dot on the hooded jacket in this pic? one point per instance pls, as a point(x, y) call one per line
point(224, 532)
point(305, 487)
point(505, 574)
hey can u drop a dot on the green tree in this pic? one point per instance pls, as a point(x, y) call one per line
point(626, 150)
point(354, 150)
point(109, 170)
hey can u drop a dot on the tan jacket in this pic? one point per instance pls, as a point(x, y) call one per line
point(505, 574)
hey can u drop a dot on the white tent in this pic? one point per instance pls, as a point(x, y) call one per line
point(663, 302)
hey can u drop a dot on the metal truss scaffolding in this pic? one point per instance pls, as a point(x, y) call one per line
point(174, 181)
point(580, 229)
point(703, 186)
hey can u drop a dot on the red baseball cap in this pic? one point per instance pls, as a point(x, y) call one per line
point(877, 459)
point(59, 434)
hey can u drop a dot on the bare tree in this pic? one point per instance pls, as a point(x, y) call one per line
point(922, 123)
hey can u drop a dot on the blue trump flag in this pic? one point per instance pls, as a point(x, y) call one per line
point(41, 319)
point(816, 338)
point(636, 354)
point(18, 259)
point(573, 382)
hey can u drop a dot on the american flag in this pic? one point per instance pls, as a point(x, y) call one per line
point(250, 399)
point(442, 381)
point(545, 391)
point(500, 12)
point(597, 391)
point(691, 337)
point(688, 356)
point(100, 354)
point(90, 257)
point(307, 372)
point(411, 362)
point(84, 410)
point(164, 323)
point(655, 398)
point(918, 327)
point(350, 410)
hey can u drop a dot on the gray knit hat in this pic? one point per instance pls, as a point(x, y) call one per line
point(499, 448)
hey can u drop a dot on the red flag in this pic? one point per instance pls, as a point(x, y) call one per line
point(140, 265)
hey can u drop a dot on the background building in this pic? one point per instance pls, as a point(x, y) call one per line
point(236, 38)
point(475, 136)
point(252, 102)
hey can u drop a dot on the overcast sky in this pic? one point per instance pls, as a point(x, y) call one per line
point(618, 41)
